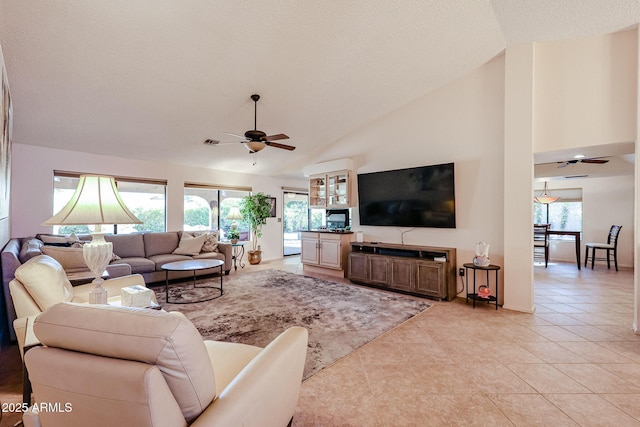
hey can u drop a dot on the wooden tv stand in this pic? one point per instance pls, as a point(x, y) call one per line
point(418, 270)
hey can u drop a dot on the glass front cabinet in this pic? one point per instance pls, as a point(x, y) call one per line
point(329, 190)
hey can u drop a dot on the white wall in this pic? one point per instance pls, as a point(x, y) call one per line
point(460, 123)
point(605, 202)
point(32, 187)
point(585, 91)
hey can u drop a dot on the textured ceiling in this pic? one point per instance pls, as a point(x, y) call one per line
point(152, 79)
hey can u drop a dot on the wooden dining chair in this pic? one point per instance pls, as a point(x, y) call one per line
point(611, 247)
point(541, 242)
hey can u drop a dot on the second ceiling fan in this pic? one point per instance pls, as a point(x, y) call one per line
point(255, 140)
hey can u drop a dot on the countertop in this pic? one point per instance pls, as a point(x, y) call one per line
point(327, 231)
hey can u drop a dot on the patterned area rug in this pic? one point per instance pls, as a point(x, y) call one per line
point(258, 306)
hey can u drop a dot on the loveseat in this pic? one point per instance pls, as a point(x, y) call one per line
point(138, 253)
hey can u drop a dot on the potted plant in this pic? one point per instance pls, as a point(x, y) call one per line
point(233, 235)
point(255, 209)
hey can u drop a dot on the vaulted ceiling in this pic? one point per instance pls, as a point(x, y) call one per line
point(152, 79)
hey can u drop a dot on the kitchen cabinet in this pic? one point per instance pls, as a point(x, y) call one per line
point(325, 250)
point(419, 270)
point(330, 190)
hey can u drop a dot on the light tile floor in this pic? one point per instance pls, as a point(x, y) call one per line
point(575, 361)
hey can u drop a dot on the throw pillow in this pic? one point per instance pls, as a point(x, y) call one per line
point(190, 245)
point(59, 240)
point(45, 280)
point(69, 258)
point(210, 243)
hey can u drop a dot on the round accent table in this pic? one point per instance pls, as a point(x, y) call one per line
point(474, 295)
point(193, 265)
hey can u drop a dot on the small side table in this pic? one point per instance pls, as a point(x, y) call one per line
point(473, 295)
point(237, 254)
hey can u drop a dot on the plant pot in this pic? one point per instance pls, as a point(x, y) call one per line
point(254, 257)
point(234, 241)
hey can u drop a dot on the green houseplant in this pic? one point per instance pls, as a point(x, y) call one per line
point(255, 209)
point(233, 235)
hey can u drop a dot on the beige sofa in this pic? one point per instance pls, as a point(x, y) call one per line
point(119, 366)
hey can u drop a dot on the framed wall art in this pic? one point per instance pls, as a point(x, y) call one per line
point(272, 202)
point(6, 120)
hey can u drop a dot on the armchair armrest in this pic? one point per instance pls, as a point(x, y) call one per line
point(227, 250)
point(266, 391)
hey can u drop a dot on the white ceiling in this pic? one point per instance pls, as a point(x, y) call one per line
point(151, 79)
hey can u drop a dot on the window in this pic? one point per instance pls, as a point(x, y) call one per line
point(207, 208)
point(145, 198)
point(565, 214)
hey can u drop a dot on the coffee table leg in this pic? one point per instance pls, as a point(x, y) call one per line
point(166, 286)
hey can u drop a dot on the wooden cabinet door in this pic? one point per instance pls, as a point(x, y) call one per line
point(379, 270)
point(309, 250)
point(402, 275)
point(357, 267)
point(330, 253)
point(430, 277)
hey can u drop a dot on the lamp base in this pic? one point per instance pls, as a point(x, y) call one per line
point(98, 295)
point(97, 255)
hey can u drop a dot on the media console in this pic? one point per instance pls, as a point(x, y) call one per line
point(419, 270)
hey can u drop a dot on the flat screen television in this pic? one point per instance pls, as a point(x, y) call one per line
point(413, 197)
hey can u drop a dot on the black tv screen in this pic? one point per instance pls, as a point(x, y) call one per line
point(414, 197)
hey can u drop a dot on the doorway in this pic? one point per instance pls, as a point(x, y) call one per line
point(295, 217)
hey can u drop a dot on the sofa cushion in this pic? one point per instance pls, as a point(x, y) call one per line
point(160, 260)
point(138, 264)
point(30, 249)
point(127, 245)
point(160, 243)
point(63, 240)
point(69, 258)
point(210, 255)
point(167, 340)
point(45, 280)
point(190, 245)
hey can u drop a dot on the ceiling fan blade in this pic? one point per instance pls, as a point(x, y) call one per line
point(276, 137)
point(211, 141)
point(594, 161)
point(278, 145)
point(237, 136)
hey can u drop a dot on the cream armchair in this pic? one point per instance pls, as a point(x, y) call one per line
point(120, 366)
point(41, 283)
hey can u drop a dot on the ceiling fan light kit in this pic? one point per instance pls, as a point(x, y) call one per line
point(255, 140)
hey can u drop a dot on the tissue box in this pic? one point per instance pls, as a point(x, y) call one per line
point(136, 296)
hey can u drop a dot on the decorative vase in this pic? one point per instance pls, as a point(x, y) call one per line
point(482, 255)
point(254, 257)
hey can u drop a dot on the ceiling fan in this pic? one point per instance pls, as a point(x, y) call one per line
point(255, 140)
point(594, 160)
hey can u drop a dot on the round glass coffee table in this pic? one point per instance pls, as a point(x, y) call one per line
point(193, 265)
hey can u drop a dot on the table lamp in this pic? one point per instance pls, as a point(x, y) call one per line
point(234, 213)
point(96, 201)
